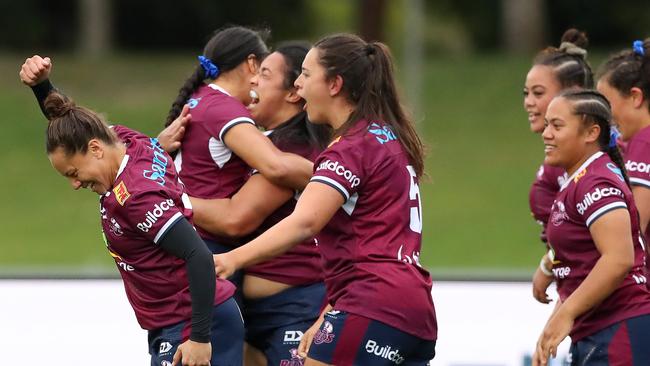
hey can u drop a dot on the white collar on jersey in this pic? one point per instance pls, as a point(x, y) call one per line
point(582, 167)
point(125, 160)
point(217, 87)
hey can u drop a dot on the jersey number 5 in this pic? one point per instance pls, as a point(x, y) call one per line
point(414, 194)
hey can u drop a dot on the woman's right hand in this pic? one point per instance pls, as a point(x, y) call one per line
point(224, 266)
point(171, 137)
point(35, 70)
point(541, 282)
point(308, 337)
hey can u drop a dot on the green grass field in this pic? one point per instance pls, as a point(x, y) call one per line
point(481, 161)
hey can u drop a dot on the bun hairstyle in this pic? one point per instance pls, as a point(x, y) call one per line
point(569, 60)
point(629, 69)
point(226, 50)
point(595, 109)
point(71, 127)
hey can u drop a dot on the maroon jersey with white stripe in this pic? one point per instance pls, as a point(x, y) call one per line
point(144, 202)
point(637, 161)
point(371, 247)
point(542, 193)
point(207, 167)
point(302, 264)
point(596, 188)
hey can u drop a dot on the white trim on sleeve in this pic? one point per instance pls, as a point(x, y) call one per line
point(640, 182)
point(331, 182)
point(602, 210)
point(167, 225)
point(232, 123)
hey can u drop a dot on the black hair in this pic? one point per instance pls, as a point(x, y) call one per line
point(569, 60)
point(227, 49)
point(595, 109)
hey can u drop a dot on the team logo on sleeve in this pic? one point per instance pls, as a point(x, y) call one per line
point(152, 216)
point(595, 196)
point(121, 193)
point(340, 170)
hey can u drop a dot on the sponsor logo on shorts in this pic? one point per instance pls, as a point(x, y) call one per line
point(152, 216)
point(165, 363)
point(324, 334)
point(164, 348)
point(637, 166)
point(340, 170)
point(291, 336)
point(295, 359)
point(121, 193)
point(386, 352)
point(595, 196)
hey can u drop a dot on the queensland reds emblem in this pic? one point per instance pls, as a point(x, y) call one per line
point(115, 227)
point(294, 361)
point(324, 334)
point(558, 213)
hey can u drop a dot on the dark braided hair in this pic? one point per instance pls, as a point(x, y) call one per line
point(595, 109)
point(628, 69)
point(227, 49)
point(569, 60)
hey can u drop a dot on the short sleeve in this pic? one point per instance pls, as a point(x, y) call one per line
point(224, 115)
point(596, 197)
point(637, 164)
point(151, 214)
point(341, 167)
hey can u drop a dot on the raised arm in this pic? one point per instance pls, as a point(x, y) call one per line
point(35, 73)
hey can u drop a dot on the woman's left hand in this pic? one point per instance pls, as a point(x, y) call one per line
point(557, 328)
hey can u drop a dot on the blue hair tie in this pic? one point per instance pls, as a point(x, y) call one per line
point(638, 48)
point(613, 137)
point(211, 70)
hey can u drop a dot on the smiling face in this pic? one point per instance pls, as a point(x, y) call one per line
point(566, 140)
point(269, 88)
point(90, 170)
point(540, 88)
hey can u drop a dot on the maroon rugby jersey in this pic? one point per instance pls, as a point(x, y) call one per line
point(302, 264)
point(207, 167)
point(637, 159)
point(542, 193)
point(371, 247)
point(593, 190)
point(144, 202)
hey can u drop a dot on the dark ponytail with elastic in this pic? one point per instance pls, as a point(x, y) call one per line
point(629, 69)
point(226, 50)
point(369, 84)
